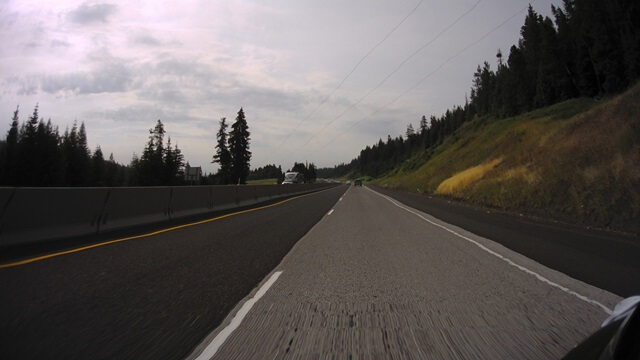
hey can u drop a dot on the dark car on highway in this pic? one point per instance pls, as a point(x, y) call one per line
point(358, 182)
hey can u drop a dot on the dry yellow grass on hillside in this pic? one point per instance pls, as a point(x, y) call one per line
point(460, 181)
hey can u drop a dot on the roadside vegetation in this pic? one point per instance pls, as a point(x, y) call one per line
point(553, 131)
point(34, 154)
point(577, 161)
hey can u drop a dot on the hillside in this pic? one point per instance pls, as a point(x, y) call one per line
point(577, 161)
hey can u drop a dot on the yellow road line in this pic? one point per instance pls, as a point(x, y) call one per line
point(67, 252)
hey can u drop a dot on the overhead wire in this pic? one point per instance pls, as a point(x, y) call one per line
point(347, 77)
point(402, 63)
point(424, 78)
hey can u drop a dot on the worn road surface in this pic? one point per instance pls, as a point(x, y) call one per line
point(155, 297)
point(345, 273)
point(377, 280)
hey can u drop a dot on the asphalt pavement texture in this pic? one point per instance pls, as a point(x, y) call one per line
point(374, 284)
point(607, 260)
point(376, 280)
point(150, 298)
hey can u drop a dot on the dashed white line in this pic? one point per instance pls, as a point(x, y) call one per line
point(508, 261)
point(330, 212)
point(222, 336)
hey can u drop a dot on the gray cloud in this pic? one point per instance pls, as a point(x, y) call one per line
point(146, 40)
point(87, 14)
point(146, 114)
point(59, 43)
point(108, 78)
point(20, 85)
point(265, 98)
point(32, 44)
point(165, 94)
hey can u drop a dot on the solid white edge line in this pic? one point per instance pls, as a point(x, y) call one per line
point(508, 261)
point(222, 336)
point(330, 212)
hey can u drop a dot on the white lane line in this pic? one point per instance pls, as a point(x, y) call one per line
point(340, 199)
point(330, 212)
point(217, 342)
point(508, 261)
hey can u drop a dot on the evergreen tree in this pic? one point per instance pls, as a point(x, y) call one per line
point(111, 173)
point(150, 168)
point(482, 91)
point(173, 163)
point(424, 124)
point(410, 131)
point(10, 155)
point(267, 172)
point(312, 172)
point(159, 165)
point(76, 155)
point(27, 162)
point(50, 157)
point(223, 155)
point(98, 168)
point(239, 149)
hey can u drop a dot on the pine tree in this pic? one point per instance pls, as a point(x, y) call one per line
point(150, 167)
point(239, 149)
point(313, 172)
point(222, 155)
point(173, 164)
point(159, 165)
point(424, 124)
point(410, 131)
point(50, 157)
point(98, 168)
point(28, 161)
point(110, 172)
point(76, 155)
point(10, 153)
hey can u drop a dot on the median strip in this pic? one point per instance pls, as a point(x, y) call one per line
point(72, 251)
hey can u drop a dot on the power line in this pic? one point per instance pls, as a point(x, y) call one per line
point(423, 79)
point(346, 77)
point(392, 73)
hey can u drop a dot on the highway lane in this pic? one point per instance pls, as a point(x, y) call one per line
point(375, 279)
point(150, 298)
point(603, 259)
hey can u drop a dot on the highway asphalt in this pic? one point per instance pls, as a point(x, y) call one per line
point(606, 260)
point(361, 277)
point(375, 279)
point(150, 298)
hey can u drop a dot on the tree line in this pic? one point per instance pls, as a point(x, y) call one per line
point(35, 154)
point(309, 171)
point(590, 49)
point(266, 172)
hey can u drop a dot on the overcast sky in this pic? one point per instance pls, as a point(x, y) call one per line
point(118, 66)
